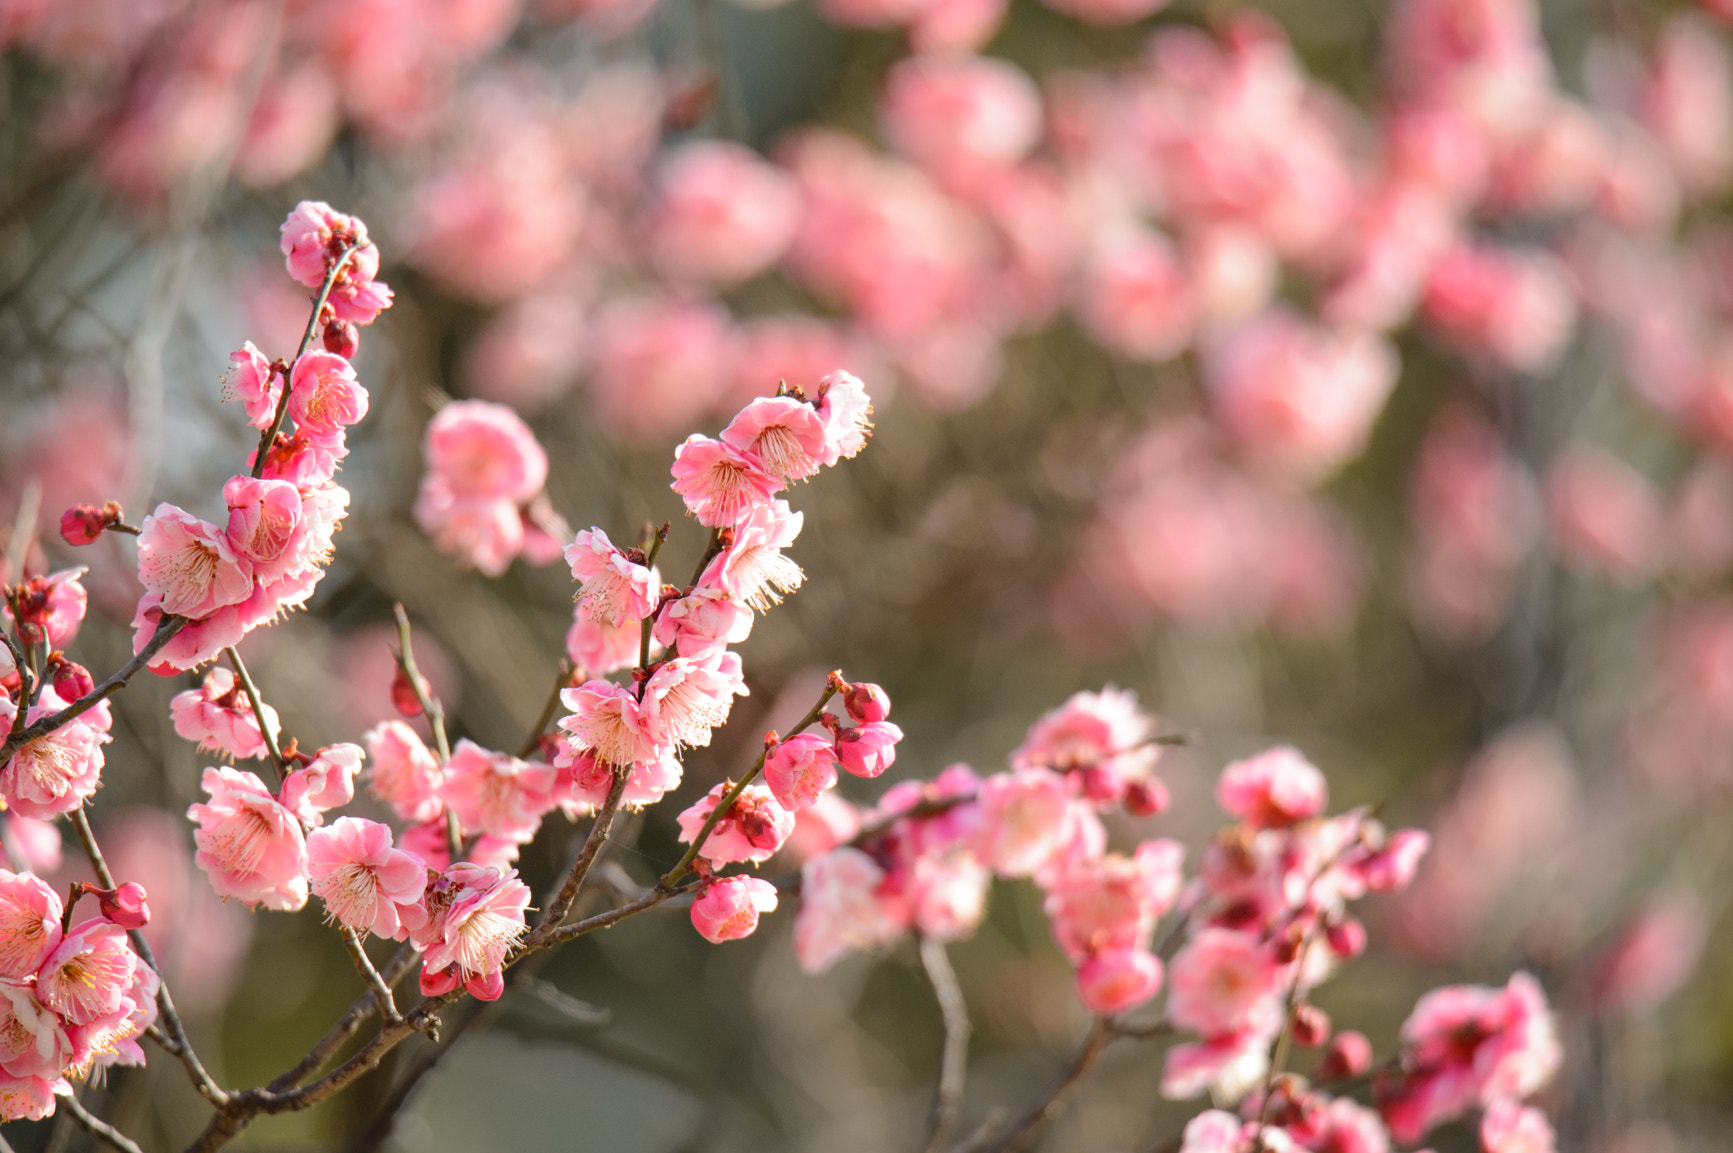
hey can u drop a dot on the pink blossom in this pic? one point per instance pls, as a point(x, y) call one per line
point(658, 365)
point(868, 750)
point(599, 649)
point(312, 238)
point(126, 905)
point(582, 782)
point(404, 774)
point(29, 1098)
point(613, 587)
point(326, 782)
point(1302, 399)
point(324, 396)
point(1605, 516)
point(251, 381)
point(1111, 904)
point(50, 608)
point(250, 845)
point(87, 974)
point(719, 482)
point(721, 215)
point(783, 436)
point(1102, 737)
point(29, 924)
point(752, 568)
point(1651, 956)
point(608, 722)
point(188, 565)
point(846, 410)
point(822, 826)
point(474, 915)
point(1516, 308)
point(219, 717)
point(484, 451)
point(752, 830)
point(53, 773)
point(686, 697)
point(1228, 1067)
point(1465, 1045)
point(1135, 296)
point(702, 620)
point(364, 882)
point(293, 121)
point(496, 793)
point(1508, 1127)
point(728, 909)
point(866, 702)
point(1212, 1131)
point(37, 843)
point(1688, 103)
point(1349, 1127)
point(268, 528)
point(838, 909)
point(33, 1040)
point(943, 26)
point(799, 770)
point(1112, 982)
point(115, 1040)
point(959, 116)
point(1028, 817)
point(1272, 790)
point(1349, 1054)
point(1224, 981)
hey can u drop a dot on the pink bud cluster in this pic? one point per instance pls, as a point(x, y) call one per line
point(71, 1001)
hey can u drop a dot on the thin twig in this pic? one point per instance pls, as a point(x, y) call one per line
point(561, 676)
point(555, 914)
point(346, 1025)
point(97, 1127)
point(1101, 1034)
point(614, 916)
point(435, 713)
point(258, 703)
point(953, 1064)
point(172, 1037)
point(364, 966)
point(165, 632)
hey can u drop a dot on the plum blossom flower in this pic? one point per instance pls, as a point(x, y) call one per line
point(1028, 817)
point(1224, 981)
point(251, 846)
point(839, 909)
point(752, 568)
point(847, 411)
point(404, 773)
point(484, 470)
point(799, 770)
point(868, 750)
point(613, 588)
point(722, 214)
point(313, 238)
point(1101, 737)
point(496, 793)
point(599, 649)
point(1508, 1127)
point(88, 973)
point(219, 717)
point(29, 924)
point(728, 909)
point(783, 436)
point(326, 782)
point(754, 827)
point(1117, 980)
point(703, 619)
point(1272, 790)
point(687, 697)
point(53, 773)
point(251, 380)
point(365, 883)
point(608, 722)
point(324, 396)
point(720, 482)
point(1113, 902)
point(33, 1040)
point(474, 915)
point(50, 608)
point(189, 565)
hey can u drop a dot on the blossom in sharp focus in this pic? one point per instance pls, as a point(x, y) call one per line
point(365, 882)
point(728, 909)
point(251, 847)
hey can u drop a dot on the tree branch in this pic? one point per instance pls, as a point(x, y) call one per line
point(165, 632)
point(953, 1064)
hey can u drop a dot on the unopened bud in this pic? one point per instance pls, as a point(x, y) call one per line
point(70, 679)
point(1145, 798)
point(82, 524)
point(866, 702)
point(403, 696)
point(1101, 786)
point(342, 338)
point(1349, 1055)
point(125, 906)
point(1311, 1026)
point(1347, 938)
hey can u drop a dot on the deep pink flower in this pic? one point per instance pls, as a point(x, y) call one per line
point(29, 924)
point(266, 527)
point(250, 845)
point(474, 915)
point(753, 570)
point(88, 973)
point(126, 905)
point(719, 482)
point(1102, 737)
point(1112, 903)
point(114, 1040)
point(1272, 790)
point(404, 773)
point(752, 830)
point(497, 793)
point(251, 381)
point(613, 589)
point(608, 722)
point(364, 882)
point(312, 237)
point(582, 782)
point(53, 773)
point(1228, 1067)
point(1516, 308)
point(189, 565)
point(1222, 982)
point(1121, 979)
point(868, 750)
point(1349, 1127)
point(866, 702)
point(702, 620)
point(783, 436)
point(324, 396)
point(51, 607)
point(326, 783)
point(728, 909)
point(799, 770)
point(219, 717)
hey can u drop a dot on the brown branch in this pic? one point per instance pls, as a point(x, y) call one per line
point(561, 676)
point(381, 991)
point(346, 1025)
point(555, 914)
point(97, 1127)
point(258, 703)
point(165, 632)
point(1101, 1034)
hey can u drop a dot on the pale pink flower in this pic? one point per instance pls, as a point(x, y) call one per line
point(1272, 790)
point(55, 772)
point(608, 722)
point(219, 717)
point(1027, 817)
point(1121, 979)
point(294, 118)
point(1224, 981)
point(1467, 1045)
point(1228, 1067)
point(839, 911)
point(33, 1040)
point(722, 214)
point(250, 845)
point(783, 436)
point(326, 782)
point(474, 915)
point(484, 534)
point(485, 451)
point(599, 649)
point(868, 750)
point(87, 974)
point(404, 774)
point(363, 881)
point(1688, 103)
point(582, 782)
point(1515, 307)
point(687, 697)
point(1299, 398)
point(728, 909)
point(613, 588)
point(752, 830)
point(702, 620)
point(496, 793)
point(1349, 1127)
point(36, 843)
point(752, 568)
point(188, 566)
point(324, 396)
point(822, 826)
point(1135, 296)
point(1605, 517)
point(658, 365)
point(846, 410)
point(313, 236)
point(1111, 904)
point(251, 381)
point(1508, 1127)
point(29, 924)
point(116, 1041)
point(1101, 737)
point(530, 353)
point(960, 116)
point(1212, 1131)
point(800, 769)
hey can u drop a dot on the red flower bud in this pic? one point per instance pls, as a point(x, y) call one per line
point(125, 906)
point(82, 524)
point(1347, 939)
point(342, 338)
point(70, 679)
point(1145, 798)
point(1311, 1026)
point(403, 696)
point(866, 702)
point(1349, 1055)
